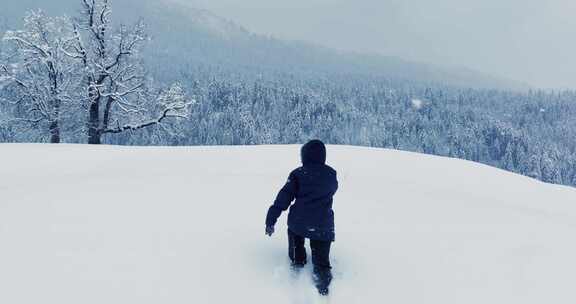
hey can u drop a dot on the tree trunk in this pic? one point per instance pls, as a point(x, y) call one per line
point(54, 132)
point(94, 134)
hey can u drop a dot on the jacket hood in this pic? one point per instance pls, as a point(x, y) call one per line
point(314, 152)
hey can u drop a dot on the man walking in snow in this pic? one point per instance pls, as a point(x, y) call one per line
point(312, 186)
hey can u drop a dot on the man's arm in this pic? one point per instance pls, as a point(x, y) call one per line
point(283, 200)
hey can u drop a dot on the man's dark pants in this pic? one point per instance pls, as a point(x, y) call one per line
point(320, 258)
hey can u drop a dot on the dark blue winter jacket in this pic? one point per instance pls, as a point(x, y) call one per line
point(313, 185)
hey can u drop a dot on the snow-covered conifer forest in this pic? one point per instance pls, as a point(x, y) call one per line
point(89, 78)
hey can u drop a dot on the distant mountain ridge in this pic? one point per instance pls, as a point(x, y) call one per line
point(184, 36)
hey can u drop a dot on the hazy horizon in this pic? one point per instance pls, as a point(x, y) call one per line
point(524, 40)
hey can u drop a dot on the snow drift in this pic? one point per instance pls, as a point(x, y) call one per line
point(111, 225)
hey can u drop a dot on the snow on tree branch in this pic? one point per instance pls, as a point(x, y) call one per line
point(41, 73)
point(173, 103)
point(117, 91)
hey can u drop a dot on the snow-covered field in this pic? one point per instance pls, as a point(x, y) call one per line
point(115, 225)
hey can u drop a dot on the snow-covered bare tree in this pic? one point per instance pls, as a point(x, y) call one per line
point(118, 96)
point(39, 71)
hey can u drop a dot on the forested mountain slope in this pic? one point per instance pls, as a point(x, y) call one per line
point(245, 89)
point(184, 37)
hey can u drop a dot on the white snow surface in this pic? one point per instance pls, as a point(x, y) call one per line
point(120, 225)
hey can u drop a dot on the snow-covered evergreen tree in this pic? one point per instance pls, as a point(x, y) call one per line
point(550, 170)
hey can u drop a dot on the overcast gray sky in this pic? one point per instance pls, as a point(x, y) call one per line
point(526, 40)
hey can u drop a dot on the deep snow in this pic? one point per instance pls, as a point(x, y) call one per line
point(119, 225)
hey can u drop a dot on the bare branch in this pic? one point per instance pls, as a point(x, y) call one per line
point(26, 43)
point(165, 114)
